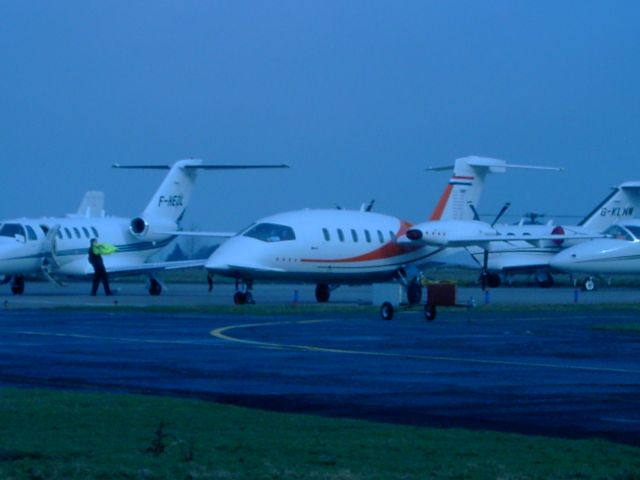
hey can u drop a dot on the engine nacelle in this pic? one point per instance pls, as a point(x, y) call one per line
point(151, 229)
point(442, 233)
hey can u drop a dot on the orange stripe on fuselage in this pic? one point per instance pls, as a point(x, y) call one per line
point(388, 250)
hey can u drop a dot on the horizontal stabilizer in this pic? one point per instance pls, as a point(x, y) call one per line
point(200, 167)
point(494, 165)
point(150, 267)
point(182, 233)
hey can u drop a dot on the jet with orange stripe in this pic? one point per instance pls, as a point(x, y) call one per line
point(500, 250)
point(347, 247)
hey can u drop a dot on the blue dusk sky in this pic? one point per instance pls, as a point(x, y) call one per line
point(359, 97)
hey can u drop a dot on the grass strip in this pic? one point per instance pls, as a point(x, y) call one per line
point(69, 435)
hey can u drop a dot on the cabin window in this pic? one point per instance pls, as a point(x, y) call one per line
point(380, 237)
point(618, 233)
point(13, 230)
point(67, 232)
point(327, 235)
point(271, 232)
point(367, 236)
point(635, 230)
point(59, 234)
point(86, 232)
point(354, 235)
point(340, 235)
point(392, 236)
point(31, 233)
point(77, 232)
point(95, 232)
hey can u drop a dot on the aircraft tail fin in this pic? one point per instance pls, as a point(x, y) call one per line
point(92, 205)
point(464, 189)
point(171, 199)
point(622, 203)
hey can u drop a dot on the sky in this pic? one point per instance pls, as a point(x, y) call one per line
point(358, 97)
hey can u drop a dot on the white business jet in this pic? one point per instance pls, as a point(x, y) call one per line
point(334, 247)
point(620, 253)
point(58, 247)
point(506, 249)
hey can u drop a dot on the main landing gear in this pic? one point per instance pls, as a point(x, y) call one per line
point(323, 293)
point(17, 285)
point(155, 287)
point(589, 284)
point(489, 279)
point(243, 293)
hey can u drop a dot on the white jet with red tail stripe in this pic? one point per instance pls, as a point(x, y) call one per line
point(520, 248)
point(335, 247)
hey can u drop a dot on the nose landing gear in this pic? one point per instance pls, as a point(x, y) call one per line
point(243, 293)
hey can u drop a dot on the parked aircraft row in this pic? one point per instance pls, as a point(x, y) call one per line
point(329, 247)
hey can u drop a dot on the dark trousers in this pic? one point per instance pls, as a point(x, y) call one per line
point(100, 275)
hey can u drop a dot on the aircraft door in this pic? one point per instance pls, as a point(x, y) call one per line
point(49, 245)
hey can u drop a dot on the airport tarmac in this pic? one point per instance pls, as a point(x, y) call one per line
point(44, 294)
point(540, 372)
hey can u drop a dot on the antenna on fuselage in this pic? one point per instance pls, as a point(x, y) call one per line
point(504, 208)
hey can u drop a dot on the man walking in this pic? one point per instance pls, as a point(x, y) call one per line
point(96, 250)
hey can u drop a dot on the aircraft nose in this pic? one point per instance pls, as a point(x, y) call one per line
point(564, 260)
point(224, 256)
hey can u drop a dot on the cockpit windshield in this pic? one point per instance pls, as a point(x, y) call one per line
point(13, 230)
point(635, 230)
point(619, 233)
point(271, 232)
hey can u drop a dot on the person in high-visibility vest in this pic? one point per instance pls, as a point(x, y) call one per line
point(96, 250)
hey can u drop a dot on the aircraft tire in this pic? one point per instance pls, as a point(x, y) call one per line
point(589, 285)
point(386, 311)
point(239, 298)
point(430, 312)
point(323, 293)
point(155, 288)
point(493, 280)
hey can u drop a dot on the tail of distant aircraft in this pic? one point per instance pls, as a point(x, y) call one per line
point(462, 194)
point(92, 205)
point(621, 204)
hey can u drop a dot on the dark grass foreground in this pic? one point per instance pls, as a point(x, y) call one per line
point(63, 435)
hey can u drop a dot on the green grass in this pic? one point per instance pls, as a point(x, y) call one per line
point(63, 435)
point(620, 328)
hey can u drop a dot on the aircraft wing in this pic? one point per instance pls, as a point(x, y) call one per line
point(483, 241)
point(183, 233)
point(244, 268)
point(122, 270)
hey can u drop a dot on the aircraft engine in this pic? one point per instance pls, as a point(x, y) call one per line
point(442, 233)
point(151, 229)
